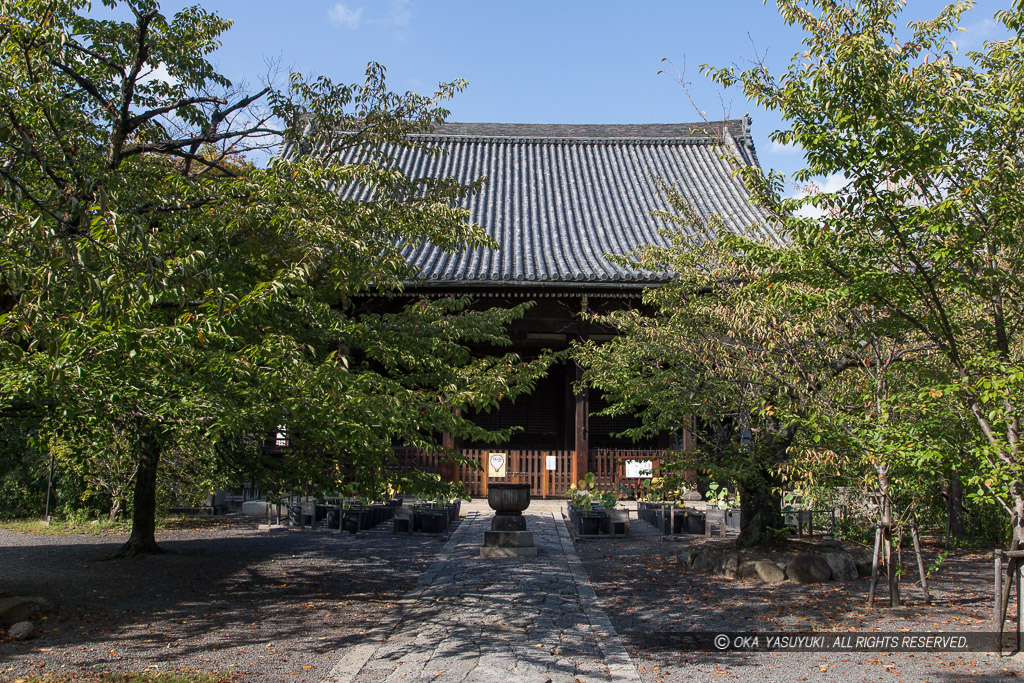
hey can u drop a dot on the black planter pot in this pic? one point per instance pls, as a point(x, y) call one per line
point(590, 523)
point(679, 522)
point(695, 522)
point(356, 520)
point(732, 519)
point(430, 521)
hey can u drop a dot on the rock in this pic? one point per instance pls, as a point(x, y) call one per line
point(723, 565)
point(843, 566)
point(863, 567)
point(704, 561)
point(728, 566)
point(808, 569)
point(16, 609)
point(23, 630)
point(762, 570)
point(688, 556)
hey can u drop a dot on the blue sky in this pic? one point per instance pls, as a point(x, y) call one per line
point(539, 61)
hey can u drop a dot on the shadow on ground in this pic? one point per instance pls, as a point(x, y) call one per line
point(274, 603)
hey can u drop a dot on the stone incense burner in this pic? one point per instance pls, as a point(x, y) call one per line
point(508, 536)
point(508, 502)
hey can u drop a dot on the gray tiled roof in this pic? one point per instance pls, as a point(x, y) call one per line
point(558, 198)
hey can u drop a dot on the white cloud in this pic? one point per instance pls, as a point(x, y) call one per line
point(158, 73)
point(974, 36)
point(400, 13)
point(340, 15)
point(791, 148)
point(831, 183)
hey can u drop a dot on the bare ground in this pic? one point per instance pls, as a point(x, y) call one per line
point(647, 590)
point(264, 606)
point(276, 607)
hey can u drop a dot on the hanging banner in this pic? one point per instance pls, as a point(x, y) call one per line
point(496, 463)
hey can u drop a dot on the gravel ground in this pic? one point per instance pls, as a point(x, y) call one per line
point(283, 607)
point(645, 589)
point(270, 607)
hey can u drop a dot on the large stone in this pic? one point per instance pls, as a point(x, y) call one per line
point(704, 561)
point(688, 556)
point(23, 630)
point(15, 609)
point(762, 570)
point(843, 566)
point(724, 565)
point(508, 539)
point(808, 569)
point(728, 566)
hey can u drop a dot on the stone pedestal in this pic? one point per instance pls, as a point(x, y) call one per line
point(508, 544)
point(508, 523)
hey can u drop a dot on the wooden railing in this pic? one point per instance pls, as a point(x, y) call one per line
point(522, 467)
point(531, 466)
point(609, 468)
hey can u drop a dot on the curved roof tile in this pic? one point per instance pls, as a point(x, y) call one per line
point(559, 198)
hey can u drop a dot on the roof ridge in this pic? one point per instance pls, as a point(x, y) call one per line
point(616, 131)
point(693, 139)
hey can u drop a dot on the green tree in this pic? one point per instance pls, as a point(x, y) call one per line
point(153, 277)
point(926, 228)
point(706, 353)
point(772, 375)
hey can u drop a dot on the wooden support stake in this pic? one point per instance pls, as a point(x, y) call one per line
point(874, 565)
point(1020, 603)
point(998, 611)
point(920, 564)
point(891, 567)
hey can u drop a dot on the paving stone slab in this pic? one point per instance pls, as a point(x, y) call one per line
point(512, 618)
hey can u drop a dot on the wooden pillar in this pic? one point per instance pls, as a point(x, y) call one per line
point(449, 469)
point(582, 441)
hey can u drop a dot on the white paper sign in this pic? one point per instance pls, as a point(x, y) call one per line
point(552, 462)
point(496, 465)
point(639, 469)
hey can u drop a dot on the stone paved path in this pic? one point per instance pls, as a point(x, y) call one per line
point(507, 619)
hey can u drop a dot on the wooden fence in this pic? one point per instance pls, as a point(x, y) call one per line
point(531, 467)
point(609, 468)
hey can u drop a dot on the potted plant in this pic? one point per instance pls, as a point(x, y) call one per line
point(588, 506)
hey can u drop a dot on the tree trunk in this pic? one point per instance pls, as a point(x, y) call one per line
point(885, 520)
point(761, 509)
point(143, 538)
point(115, 510)
point(1017, 521)
point(953, 492)
point(1016, 543)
